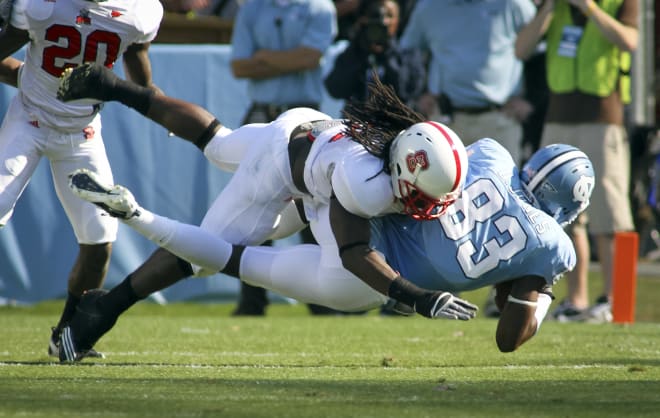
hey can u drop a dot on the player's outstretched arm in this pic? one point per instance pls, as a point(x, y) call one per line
point(523, 304)
point(186, 120)
point(352, 234)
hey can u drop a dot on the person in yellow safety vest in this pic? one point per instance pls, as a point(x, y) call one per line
point(587, 65)
point(595, 67)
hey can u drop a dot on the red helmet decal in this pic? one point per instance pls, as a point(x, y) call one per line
point(418, 158)
point(83, 18)
point(457, 158)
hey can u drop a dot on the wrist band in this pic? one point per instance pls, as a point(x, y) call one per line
point(404, 291)
point(207, 135)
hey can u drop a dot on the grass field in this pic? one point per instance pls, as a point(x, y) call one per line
point(194, 360)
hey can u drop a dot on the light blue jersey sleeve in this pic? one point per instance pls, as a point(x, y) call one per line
point(491, 234)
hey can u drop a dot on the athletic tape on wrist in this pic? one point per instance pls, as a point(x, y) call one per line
point(520, 301)
point(542, 306)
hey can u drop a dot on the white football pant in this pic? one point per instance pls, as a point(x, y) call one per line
point(22, 144)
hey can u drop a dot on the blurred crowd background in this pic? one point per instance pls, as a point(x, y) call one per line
point(446, 63)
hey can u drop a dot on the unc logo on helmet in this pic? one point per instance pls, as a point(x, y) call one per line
point(583, 188)
point(428, 165)
point(561, 178)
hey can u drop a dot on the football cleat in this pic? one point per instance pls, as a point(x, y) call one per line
point(54, 346)
point(118, 201)
point(567, 312)
point(87, 81)
point(54, 343)
point(85, 328)
point(600, 312)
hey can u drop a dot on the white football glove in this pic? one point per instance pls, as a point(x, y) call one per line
point(449, 306)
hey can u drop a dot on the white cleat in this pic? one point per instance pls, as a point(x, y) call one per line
point(117, 200)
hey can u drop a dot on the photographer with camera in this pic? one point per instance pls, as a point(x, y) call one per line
point(373, 49)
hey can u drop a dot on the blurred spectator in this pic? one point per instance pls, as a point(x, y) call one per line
point(536, 93)
point(226, 9)
point(183, 6)
point(645, 185)
point(347, 14)
point(474, 77)
point(373, 49)
point(405, 10)
point(588, 60)
point(277, 46)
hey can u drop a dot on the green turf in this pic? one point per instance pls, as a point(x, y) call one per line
point(194, 360)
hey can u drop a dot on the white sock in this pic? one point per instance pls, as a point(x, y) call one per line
point(189, 242)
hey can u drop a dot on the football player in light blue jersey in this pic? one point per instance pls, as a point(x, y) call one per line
point(506, 229)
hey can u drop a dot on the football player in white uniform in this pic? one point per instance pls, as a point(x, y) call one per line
point(59, 35)
point(384, 158)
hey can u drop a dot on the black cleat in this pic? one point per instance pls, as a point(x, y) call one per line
point(87, 81)
point(86, 327)
point(54, 346)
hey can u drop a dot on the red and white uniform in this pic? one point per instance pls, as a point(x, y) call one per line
point(63, 34)
point(262, 187)
point(248, 208)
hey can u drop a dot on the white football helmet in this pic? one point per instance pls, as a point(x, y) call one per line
point(428, 165)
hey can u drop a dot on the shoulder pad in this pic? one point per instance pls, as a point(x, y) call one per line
point(359, 188)
point(35, 10)
point(150, 15)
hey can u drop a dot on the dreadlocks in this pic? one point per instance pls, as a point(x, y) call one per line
point(377, 121)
